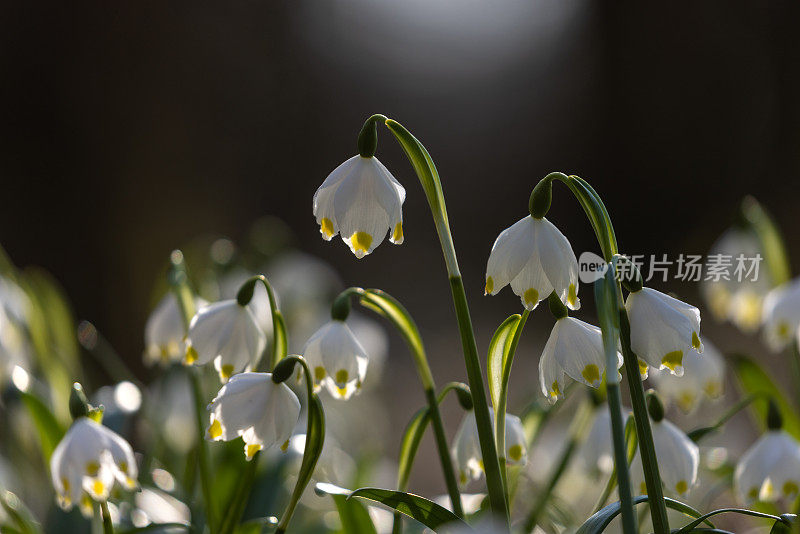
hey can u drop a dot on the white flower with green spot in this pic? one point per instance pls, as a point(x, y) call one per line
point(363, 202)
point(165, 333)
point(227, 334)
point(703, 376)
point(663, 329)
point(574, 349)
point(678, 460)
point(770, 469)
point(336, 359)
point(86, 464)
point(253, 407)
point(596, 453)
point(781, 316)
point(466, 449)
point(536, 259)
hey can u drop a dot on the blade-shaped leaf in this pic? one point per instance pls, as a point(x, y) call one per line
point(498, 357)
point(353, 515)
point(408, 447)
point(48, 428)
point(423, 510)
point(755, 381)
point(600, 520)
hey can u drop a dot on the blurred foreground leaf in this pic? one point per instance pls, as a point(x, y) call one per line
point(755, 381)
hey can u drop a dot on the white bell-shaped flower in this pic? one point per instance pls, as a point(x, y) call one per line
point(336, 359)
point(770, 469)
point(575, 349)
point(466, 448)
point(703, 375)
point(363, 202)
point(536, 259)
point(738, 299)
point(254, 407)
point(678, 460)
point(87, 462)
point(663, 329)
point(781, 316)
point(165, 333)
point(227, 334)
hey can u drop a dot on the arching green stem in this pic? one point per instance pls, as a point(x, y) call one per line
point(502, 401)
point(281, 338)
point(387, 306)
point(179, 283)
point(315, 433)
point(108, 526)
point(429, 179)
point(601, 223)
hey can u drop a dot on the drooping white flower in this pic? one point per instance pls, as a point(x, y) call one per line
point(536, 259)
point(770, 469)
point(466, 448)
point(227, 334)
point(738, 299)
point(575, 349)
point(362, 201)
point(87, 462)
point(165, 333)
point(703, 375)
point(337, 360)
point(663, 329)
point(254, 407)
point(781, 316)
point(678, 460)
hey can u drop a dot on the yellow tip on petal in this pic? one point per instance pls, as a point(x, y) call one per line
point(225, 372)
point(285, 446)
point(554, 390)
point(673, 360)
point(643, 488)
point(98, 488)
point(191, 355)
point(92, 468)
point(251, 449)
point(790, 488)
point(319, 373)
point(515, 453)
point(361, 242)
point(643, 369)
point(397, 235)
point(713, 388)
point(489, 286)
point(681, 487)
point(326, 228)
point(696, 341)
point(572, 296)
point(591, 373)
point(783, 330)
point(531, 297)
point(341, 376)
point(215, 430)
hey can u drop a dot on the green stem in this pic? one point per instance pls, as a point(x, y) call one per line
point(280, 337)
point(620, 458)
point(389, 307)
point(108, 527)
point(647, 450)
point(315, 438)
point(575, 435)
point(238, 501)
point(429, 179)
point(180, 286)
point(796, 370)
point(500, 409)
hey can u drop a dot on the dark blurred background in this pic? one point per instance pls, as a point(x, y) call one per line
point(129, 128)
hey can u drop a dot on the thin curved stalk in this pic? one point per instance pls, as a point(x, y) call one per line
point(315, 435)
point(429, 179)
point(280, 338)
point(108, 526)
point(180, 286)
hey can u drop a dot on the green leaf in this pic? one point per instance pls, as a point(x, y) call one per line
point(18, 514)
point(769, 235)
point(498, 358)
point(409, 445)
point(423, 510)
point(600, 520)
point(689, 527)
point(755, 381)
point(49, 429)
point(353, 514)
